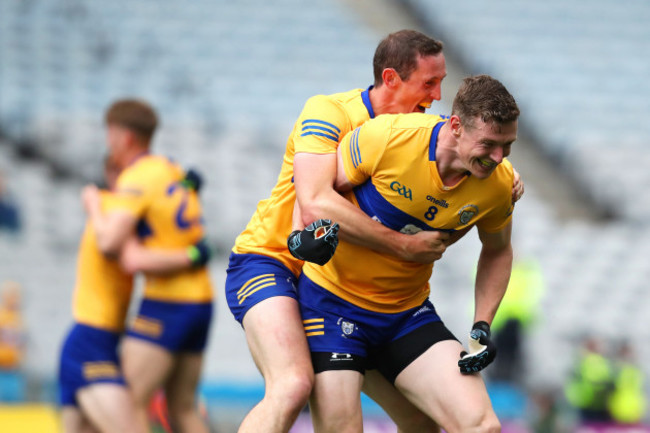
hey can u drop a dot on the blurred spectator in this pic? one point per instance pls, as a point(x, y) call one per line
point(9, 212)
point(12, 344)
point(546, 413)
point(518, 311)
point(591, 384)
point(627, 403)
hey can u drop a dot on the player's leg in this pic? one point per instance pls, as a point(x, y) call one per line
point(74, 421)
point(181, 391)
point(459, 402)
point(276, 339)
point(261, 294)
point(407, 417)
point(335, 403)
point(110, 408)
point(146, 366)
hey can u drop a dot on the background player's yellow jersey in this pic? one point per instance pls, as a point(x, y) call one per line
point(392, 160)
point(319, 129)
point(102, 290)
point(170, 217)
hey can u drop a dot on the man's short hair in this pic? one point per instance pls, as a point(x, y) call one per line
point(485, 97)
point(400, 51)
point(136, 115)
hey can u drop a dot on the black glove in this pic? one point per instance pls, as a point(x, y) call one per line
point(192, 180)
point(316, 243)
point(482, 349)
point(199, 253)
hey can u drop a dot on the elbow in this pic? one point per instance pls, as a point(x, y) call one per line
point(311, 211)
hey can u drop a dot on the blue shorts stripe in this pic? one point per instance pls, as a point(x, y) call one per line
point(178, 327)
point(252, 278)
point(88, 356)
point(335, 325)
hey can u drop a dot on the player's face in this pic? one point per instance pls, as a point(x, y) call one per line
point(423, 86)
point(483, 146)
point(116, 140)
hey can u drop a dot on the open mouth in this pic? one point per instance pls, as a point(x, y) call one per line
point(421, 108)
point(488, 165)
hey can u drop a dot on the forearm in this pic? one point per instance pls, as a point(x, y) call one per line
point(492, 277)
point(356, 226)
point(136, 258)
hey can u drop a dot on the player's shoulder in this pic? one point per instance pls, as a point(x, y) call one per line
point(340, 101)
point(150, 167)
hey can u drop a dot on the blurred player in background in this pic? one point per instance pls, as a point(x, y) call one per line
point(165, 343)
point(94, 396)
point(260, 286)
point(415, 172)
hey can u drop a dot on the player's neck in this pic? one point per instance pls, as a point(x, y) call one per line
point(382, 101)
point(447, 161)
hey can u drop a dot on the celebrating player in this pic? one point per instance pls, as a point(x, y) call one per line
point(93, 392)
point(414, 172)
point(260, 285)
point(165, 343)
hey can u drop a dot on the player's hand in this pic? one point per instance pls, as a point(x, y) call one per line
point(517, 186)
point(192, 180)
point(90, 198)
point(482, 349)
point(424, 246)
point(316, 243)
point(199, 253)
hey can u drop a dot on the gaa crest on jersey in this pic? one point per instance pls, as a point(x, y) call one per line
point(466, 213)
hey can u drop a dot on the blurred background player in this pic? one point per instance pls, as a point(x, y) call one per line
point(409, 68)
point(165, 343)
point(415, 172)
point(93, 393)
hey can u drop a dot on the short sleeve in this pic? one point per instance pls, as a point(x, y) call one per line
point(501, 213)
point(130, 193)
point(362, 149)
point(320, 127)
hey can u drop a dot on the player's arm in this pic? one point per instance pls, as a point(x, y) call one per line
point(112, 229)
point(315, 175)
point(493, 274)
point(135, 257)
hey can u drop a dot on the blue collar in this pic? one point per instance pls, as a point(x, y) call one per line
point(434, 140)
point(365, 97)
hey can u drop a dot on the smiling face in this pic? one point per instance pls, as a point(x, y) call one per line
point(482, 146)
point(423, 86)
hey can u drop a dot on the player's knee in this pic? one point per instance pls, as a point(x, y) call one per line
point(487, 423)
point(293, 389)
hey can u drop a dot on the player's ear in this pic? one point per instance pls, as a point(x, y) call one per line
point(454, 125)
point(390, 77)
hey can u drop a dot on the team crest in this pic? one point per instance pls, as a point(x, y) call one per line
point(467, 213)
point(346, 327)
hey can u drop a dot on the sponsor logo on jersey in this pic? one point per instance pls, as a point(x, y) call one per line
point(402, 190)
point(441, 203)
point(466, 214)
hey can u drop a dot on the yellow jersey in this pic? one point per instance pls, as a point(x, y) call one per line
point(102, 290)
point(324, 120)
point(391, 159)
point(170, 217)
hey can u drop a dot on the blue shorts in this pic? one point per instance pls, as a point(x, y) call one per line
point(252, 278)
point(343, 336)
point(88, 356)
point(177, 327)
